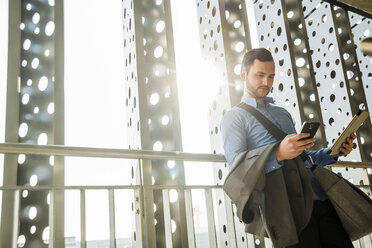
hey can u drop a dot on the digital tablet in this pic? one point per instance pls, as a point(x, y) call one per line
point(352, 127)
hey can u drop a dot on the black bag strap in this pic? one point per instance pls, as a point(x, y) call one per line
point(275, 131)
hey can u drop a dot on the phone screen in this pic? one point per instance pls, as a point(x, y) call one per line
point(310, 127)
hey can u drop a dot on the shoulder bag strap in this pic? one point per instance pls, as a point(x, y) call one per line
point(275, 131)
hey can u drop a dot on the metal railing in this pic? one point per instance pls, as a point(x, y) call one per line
point(16, 148)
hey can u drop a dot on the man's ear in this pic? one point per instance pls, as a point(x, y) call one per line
point(243, 74)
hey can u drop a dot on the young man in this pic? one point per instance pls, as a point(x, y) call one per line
point(242, 132)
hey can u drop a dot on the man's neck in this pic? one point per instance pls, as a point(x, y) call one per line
point(258, 99)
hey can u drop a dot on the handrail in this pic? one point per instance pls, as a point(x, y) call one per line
point(107, 187)
point(74, 151)
point(20, 148)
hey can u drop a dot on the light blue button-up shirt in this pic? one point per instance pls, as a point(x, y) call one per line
point(242, 132)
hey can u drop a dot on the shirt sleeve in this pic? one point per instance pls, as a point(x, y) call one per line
point(234, 135)
point(321, 157)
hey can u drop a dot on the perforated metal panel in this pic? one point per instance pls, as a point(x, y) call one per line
point(133, 120)
point(36, 118)
point(152, 107)
point(331, 81)
point(272, 32)
point(224, 38)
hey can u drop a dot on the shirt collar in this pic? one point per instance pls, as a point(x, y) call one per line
point(253, 102)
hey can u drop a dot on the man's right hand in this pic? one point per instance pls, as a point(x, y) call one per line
point(290, 147)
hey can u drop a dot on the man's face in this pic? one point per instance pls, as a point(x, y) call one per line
point(258, 79)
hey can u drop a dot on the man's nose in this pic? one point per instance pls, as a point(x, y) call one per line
point(265, 80)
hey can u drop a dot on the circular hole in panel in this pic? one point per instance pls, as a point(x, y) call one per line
point(311, 116)
point(300, 62)
point(33, 229)
point(346, 56)
point(21, 240)
point(153, 180)
point(257, 241)
point(362, 140)
point(158, 52)
point(160, 26)
point(37, 30)
point(24, 193)
point(49, 28)
point(42, 139)
point(22, 26)
point(171, 164)
point(28, 6)
point(26, 44)
point(280, 87)
point(43, 83)
point(29, 82)
point(46, 234)
point(51, 108)
point(25, 98)
point(279, 31)
point(333, 74)
point(339, 111)
point(158, 146)
point(312, 97)
point(332, 97)
point(220, 174)
point(47, 53)
point(237, 24)
point(154, 99)
point(174, 226)
point(297, 42)
point(33, 180)
point(21, 158)
point(324, 18)
point(165, 120)
point(331, 121)
point(213, 11)
point(24, 63)
point(36, 18)
point(23, 129)
point(51, 2)
point(331, 47)
point(32, 213)
point(215, 45)
point(155, 208)
point(366, 33)
point(239, 46)
point(301, 81)
point(173, 195)
point(362, 106)
point(290, 14)
point(350, 74)
point(35, 63)
point(159, 2)
point(286, 102)
point(281, 61)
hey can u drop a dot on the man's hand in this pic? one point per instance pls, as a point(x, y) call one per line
point(347, 146)
point(290, 147)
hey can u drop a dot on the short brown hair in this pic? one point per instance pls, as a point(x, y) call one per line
point(261, 54)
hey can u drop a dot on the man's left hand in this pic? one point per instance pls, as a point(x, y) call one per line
point(347, 146)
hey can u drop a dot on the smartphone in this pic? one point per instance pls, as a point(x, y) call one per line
point(310, 127)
